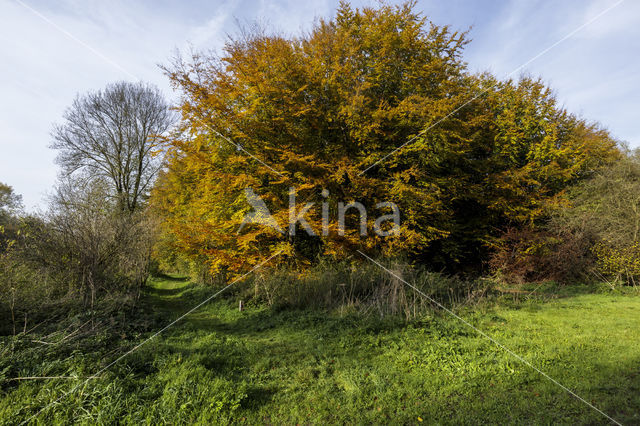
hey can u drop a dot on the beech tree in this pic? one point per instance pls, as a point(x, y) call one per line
point(326, 111)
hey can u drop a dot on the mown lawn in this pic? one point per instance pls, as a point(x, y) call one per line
point(288, 367)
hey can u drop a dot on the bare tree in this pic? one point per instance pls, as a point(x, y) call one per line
point(112, 134)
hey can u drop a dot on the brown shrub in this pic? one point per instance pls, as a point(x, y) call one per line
point(527, 255)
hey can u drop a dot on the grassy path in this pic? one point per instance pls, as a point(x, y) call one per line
point(259, 366)
point(305, 366)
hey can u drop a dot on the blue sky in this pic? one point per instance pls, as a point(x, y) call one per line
point(52, 50)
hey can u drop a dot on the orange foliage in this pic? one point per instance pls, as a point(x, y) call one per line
point(318, 109)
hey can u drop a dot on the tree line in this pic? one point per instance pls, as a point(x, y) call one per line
point(491, 176)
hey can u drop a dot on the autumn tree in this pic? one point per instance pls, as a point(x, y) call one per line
point(112, 134)
point(510, 167)
point(326, 111)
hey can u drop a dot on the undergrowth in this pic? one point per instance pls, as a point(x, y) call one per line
point(348, 359)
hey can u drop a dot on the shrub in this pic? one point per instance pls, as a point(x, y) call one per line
point(620, 263)
point(527, 255)
point(23, 289)
point(83, 248)
point(607, 208)
point(365, 288)
point(94, 245)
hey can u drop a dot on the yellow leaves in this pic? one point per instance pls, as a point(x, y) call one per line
point(619, 262)
point(324, 106)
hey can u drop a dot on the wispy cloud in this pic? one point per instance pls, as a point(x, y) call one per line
point(594, 73)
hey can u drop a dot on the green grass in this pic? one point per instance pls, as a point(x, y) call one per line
point(268, 366)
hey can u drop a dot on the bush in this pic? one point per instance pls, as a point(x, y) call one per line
point(92, 244)
point(528, 255)
point(619, 263)
point(364, 288)
point(83, 248)
point(607, 208)
point(23, 289)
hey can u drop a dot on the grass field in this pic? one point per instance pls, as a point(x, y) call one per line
point(265, 366)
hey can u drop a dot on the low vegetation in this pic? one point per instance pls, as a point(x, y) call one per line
point(284, 366)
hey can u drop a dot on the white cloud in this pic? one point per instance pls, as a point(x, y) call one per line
point(595, 72)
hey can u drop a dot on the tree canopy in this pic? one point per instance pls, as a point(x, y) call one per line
point(328, 109)
point(9, 200)
point(112, 134)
